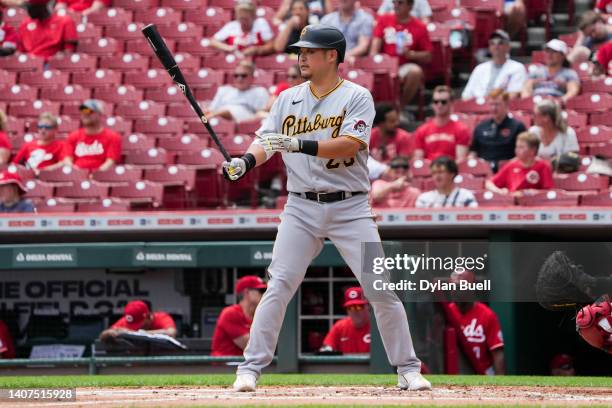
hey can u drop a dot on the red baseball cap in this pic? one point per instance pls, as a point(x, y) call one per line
point(135, 314)
point(249, 282)
point(6, 177)
point(354, 297)
point(563, 361)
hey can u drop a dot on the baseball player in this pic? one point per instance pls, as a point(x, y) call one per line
point(322, 129)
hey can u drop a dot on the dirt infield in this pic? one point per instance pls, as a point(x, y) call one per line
point(333, 396)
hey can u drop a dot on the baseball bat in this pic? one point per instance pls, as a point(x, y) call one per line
point(165, 57)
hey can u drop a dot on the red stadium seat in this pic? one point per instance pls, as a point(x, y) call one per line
point(73, 108)
point(144, 109)
point(248, 127)
point(597, 200)
point(135, 5)
point(161, 15)
point(185, 61)
point(575, 119)
point(167, 94)
point(67, 124)
point(569, 39)
point(183, 144)
point(222, 62)
point(594, 134)
point(162, 124)
point(18, 140)
point(73, 62)
point(126, 63)
point(267, 13)
point(100, 78)
point(363, 78)
point(601, 119)
point(54, 205)
point(236, 145)
point(50, 78)
point(101, 47)
point(475, 167)
point(142, 47)
point(583, 70)
point(469, 182)
point(152, 78)
point(88, 31)
point(224, 4)
point(278, 62)
point(208, 158)
point(21, 62)
point(118, 175)
point(581, 182)
point(596, 85)
point(521, 117)
point(65, 174)
point(130, 31)
point(85, 190)
point(34, 109)
point(522, 104)
point(140, 192)
point(7, 77)
point(110, 17)
point(262, 78)
point(212, 18)
point(177, 182)
point(23, 172)
point(108, 204)
point(448, 15)
point(477, 105)
point(69, 93)
point(384, 68)
point(491, 199)
point(122, 93)
point(204, 78)
point(181, 110)
point(420, 168)
point(602, 149)
point(550, 198)
point(14, 125)
point(222, 127)
point(590, 103)
point(198, 47)
point(14, 16)
point(118, 124)
point(180, 31)
point(137, 142)
point(151, 157)
point(538, 57)
point(39, 189)
point(275, 4)
point(184, 4)
point(18, 93)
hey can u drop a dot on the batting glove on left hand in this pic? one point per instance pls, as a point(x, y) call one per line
point(274, 142)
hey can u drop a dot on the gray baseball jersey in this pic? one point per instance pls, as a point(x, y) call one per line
point(346, 110)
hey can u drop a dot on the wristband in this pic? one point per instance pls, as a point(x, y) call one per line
point(310, 147)
point(249, 160)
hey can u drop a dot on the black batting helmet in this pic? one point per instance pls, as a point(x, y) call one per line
point(322, 36)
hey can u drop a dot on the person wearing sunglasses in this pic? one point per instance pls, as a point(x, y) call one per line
point(396, 191)
point(231, 333)
point(351, 335)
point(404, 36)
point(500, 72)
point(5, 143)
point(93, 146)
point(242, 100)
point(46, 152)
point(441, 135)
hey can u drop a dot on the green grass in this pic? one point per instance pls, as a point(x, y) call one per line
point(290, 380)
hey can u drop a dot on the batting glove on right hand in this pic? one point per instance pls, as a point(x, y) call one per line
point(234, 169)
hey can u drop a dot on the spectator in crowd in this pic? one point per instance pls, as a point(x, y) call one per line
point(5, 143)
point(515, 14)
point(7, 348)
point(397, 192)
point(441, 135)
point(401, 35)
point(604, 6)
point(12, 3)
point(45, 33)
point(316, 9)
point(293, 78)
point(556, 137)
point(11, 194)
point(240, 101)
point(289, 32)
point(562, 365)
point(494, 139)
point(604, 61)
point(248, 34)
point(85, 7)
point(478, 326)
point(526, 172)
point(46, 152)
point(9, 39)
point(351, 335)
point(500, 72)
point(356, 24)
point(388, 140)
point(420, 9)
point(138, 316)
point(446, 193)
point(234, 323)
point(92, 147)
point(593, 32)
point(555, 78)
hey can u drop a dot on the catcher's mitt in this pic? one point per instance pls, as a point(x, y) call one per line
point(563, 285)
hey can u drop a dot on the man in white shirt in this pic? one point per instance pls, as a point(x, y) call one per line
point(241, 101)
point(499, 73)
point(447, 194)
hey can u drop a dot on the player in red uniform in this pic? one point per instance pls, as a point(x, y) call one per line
point(44, 34)
point(7, 349)
point(138, 316)
point(525, 172)
point(480, 329)
point(45, 152)
point(442, 136)
point(93, 147)
point(351, 334)
point(234, 324)
point(399, 34)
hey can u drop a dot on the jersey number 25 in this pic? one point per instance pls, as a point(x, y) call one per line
point(332, 164)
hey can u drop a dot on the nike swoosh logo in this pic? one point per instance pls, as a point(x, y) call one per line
point(296, 102)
